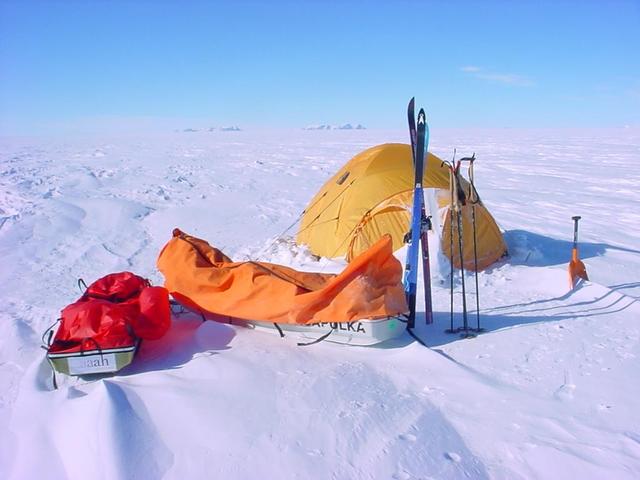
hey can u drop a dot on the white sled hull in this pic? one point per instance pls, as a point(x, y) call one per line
point(360, 332)
point(106, 360)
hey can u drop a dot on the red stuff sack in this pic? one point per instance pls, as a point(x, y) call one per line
point(101, 331)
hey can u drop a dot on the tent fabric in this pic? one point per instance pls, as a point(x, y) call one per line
point(114, 312)
point(489, 242)
point(203, 278)
point(371, 178)
point(390, 215)
point(372, 195)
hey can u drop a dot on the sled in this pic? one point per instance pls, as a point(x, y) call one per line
point(360, 332)
point(102, 330)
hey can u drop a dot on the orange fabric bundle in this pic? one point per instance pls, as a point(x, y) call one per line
point(201, 276)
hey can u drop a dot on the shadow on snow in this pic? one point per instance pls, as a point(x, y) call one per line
point(514, 316)
point(187, 338)
point(528, 248)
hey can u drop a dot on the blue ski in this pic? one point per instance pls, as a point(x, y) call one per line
point(425, 220)
point(417, 212)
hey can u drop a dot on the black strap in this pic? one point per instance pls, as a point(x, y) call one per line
point(95, 342)
point(418, 339)
point(406, 320)
point(279, 330)
point(317, 340)
point(82, 286)
point(47, 343)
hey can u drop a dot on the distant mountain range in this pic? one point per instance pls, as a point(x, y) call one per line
point(232, 128)
point(346, 126)
point(235, 128)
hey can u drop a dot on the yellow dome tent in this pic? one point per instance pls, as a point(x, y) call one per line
point(372, 194)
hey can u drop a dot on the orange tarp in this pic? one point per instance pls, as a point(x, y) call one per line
point(202, 277)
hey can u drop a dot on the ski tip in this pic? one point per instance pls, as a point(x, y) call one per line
point(412, 102)
point(422, 117)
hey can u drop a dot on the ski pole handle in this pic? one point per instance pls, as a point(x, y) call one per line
point(575, 230)
point(473, 193)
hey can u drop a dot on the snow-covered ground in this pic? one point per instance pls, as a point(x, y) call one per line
point(549, 391)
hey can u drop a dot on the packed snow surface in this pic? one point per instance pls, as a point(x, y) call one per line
point(550, 390)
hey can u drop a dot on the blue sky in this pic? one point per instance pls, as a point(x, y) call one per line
point(66, 65)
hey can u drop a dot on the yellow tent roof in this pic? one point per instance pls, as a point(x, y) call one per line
point(369, 179)
point(368, 197)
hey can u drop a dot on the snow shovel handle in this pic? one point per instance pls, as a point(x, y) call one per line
point(575, 230)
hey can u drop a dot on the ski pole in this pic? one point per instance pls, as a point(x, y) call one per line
point(451, 207)
point(452, 201)
point(474, 199)
point(460, 201)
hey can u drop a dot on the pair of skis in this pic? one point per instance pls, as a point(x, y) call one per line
point(420, 222)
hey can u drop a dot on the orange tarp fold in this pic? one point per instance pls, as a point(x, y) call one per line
point(201, 276)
